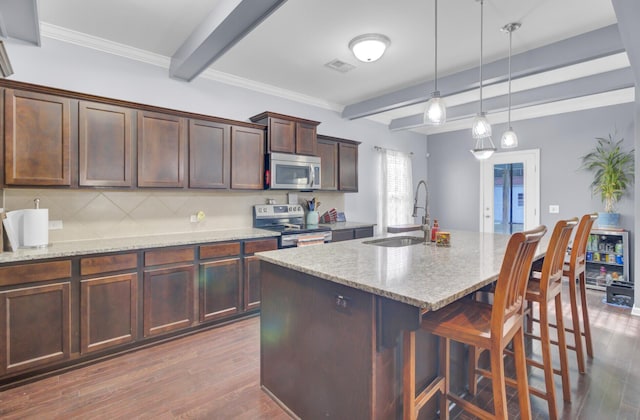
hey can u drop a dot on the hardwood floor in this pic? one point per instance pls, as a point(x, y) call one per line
point(215, 375)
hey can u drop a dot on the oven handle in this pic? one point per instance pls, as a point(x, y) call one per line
point(311, 176)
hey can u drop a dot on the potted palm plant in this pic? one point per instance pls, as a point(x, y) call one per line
point(613, 173)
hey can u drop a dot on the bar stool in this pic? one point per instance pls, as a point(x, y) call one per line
point(544, 286)
point(481, 325)
point(575, 270)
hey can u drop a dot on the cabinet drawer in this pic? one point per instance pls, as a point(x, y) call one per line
point(363, 232)
point(168, 256)
point(260, 245)
point(108, 263)
point(28, 273)
point(228, 249)
point(341, 235)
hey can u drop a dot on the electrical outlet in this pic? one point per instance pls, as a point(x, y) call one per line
point(55, 224)
point(554, 209)
point(193, 218)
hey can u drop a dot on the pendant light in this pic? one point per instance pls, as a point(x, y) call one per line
point(509, 138)
point(436, 112)
point(481, 128)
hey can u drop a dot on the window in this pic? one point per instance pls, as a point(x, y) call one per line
point(395, 189)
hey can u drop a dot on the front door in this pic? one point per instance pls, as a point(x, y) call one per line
point(510, 192)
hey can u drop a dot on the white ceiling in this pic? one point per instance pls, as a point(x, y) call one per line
point(290, 48)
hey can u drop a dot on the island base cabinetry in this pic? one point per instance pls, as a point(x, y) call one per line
point(332, 351)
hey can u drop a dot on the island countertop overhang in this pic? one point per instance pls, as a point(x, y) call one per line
point(426, 276)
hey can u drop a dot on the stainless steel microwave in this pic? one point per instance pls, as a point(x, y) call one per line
point(293, 172)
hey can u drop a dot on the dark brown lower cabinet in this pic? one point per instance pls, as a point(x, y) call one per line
point(35, 327)
point(252, 270)
point(220, 289)
point(109, 311)
point(168, 299)
point(348, 234)
point(251, 283)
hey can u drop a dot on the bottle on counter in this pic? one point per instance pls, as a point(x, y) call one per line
point(434, 230)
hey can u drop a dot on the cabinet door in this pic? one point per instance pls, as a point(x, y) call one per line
point(37, 133)
point(168, 299)
point(282, 134)
point(35, 327)
point(161, 149)
point(251, 283)
point(247, 158)
point(108, 311)
point(105, 145)
point(220, 290)
point(348, 167)
point(306, 139)
point(209, 154)
point(328, 152)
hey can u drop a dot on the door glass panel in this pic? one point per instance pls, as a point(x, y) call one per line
point(508, 197)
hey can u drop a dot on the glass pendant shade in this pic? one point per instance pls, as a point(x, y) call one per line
point(369, 47)
point(509, 139)
point(436, 112)
point(484, 148)
point(481, 127)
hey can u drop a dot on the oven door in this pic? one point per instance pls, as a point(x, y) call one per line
point(294, 172)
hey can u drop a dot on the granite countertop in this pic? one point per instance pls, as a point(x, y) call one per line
point(425, 276)
point(97, 246)
point(346, 225)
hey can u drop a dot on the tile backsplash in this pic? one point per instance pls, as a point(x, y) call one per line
point(98, 214)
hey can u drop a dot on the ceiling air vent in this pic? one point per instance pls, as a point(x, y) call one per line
point(340, 66)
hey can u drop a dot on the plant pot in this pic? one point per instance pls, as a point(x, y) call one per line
point(608, 220)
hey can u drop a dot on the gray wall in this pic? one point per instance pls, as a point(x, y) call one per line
point(562, 140)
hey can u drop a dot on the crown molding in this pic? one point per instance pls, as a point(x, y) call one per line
point(100, 44)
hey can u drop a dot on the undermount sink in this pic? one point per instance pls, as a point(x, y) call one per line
point(396, 241)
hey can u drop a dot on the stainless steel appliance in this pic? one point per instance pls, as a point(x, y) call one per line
point(288, 219)
point(292, 172)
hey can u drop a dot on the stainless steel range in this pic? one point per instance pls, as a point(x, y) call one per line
point(288, 219)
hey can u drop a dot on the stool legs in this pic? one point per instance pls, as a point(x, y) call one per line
point(521, 373)
point(562, 349)
point(547, 366)
point(585, 315)
point(575, 318)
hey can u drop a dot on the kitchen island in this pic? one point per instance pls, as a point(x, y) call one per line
point(332, 316)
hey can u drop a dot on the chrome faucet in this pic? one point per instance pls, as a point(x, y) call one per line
point(426, 227)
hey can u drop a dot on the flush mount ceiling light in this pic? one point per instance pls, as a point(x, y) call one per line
point(369, 47)
point(436, 112)
point(509, 138)
point(481, 128)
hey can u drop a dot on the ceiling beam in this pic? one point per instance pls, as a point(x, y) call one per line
point(627, 13)
point(576, 88)
point(585, 47)
point(227, 24)
point(19, 20)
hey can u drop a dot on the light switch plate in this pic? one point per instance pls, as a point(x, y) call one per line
point(554, 208)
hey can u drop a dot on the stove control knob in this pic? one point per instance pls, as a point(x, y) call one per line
point(299, 208)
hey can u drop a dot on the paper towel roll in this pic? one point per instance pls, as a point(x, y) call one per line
point(36, 227)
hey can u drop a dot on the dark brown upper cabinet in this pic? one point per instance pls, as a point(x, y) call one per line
point(105, 147)
point(289, 134)
point(339, 160)
point(37, 131)
point(348, 167)
point(328, 152)
point(247, 158)
point(209, 154)
point(161, 150)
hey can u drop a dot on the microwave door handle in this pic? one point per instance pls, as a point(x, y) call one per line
point(311, 176)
